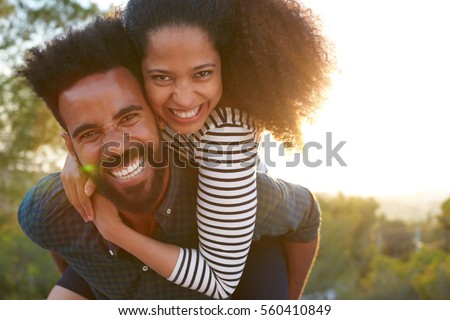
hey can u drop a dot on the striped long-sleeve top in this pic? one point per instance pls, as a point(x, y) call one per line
point(225, 151)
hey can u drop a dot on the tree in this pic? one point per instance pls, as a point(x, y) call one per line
point(423, 275)
point(25, 124)
point(349, 266)
point(29, 137)
point(398, 239)
point(347, 246)
point(433, 280)
point(444, 220)
point(26, 271)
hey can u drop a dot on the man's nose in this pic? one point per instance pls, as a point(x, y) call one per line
point(184, 95)
point(113, 144)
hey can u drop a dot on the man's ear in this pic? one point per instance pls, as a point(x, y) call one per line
point(68, 143)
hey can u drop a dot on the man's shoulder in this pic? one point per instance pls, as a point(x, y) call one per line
point(286, 208)
point(45, 210)
point(45, 191)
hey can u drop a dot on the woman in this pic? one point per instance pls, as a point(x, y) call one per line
point(198, 59)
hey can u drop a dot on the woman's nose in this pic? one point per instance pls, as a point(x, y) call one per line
point(184, 95)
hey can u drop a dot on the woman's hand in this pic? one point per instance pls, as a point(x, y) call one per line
point(159, 256)
point(78, 188)
point(107, 218)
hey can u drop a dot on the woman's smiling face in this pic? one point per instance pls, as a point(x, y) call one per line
point(183, 78)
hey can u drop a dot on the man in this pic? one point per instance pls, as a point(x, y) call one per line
point(91, 81)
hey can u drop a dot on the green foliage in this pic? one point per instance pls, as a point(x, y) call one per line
point(398, 239)
point(5, 8)
point(348, 225)
point(388, 279)
point(444, 217)
point(30, 22)
point(25, 124)
point(424, 275)
point(30, 142)
point(365, 256)
point(433, 282)
point(444, 220)
point(26, 271)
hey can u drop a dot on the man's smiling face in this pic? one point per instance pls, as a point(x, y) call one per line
point(107, 115)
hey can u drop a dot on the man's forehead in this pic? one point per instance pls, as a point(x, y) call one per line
point(100, 97)
point(111, 80)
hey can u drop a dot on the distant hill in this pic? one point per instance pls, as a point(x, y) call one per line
point(413, 206)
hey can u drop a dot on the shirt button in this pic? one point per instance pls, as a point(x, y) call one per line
point(111, 252)
point(169, 211)
point(144, 268)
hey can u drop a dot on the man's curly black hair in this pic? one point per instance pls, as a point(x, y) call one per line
point(96, 48)
point(276, 63)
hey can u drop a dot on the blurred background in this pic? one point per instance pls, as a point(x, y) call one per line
point(386, 206)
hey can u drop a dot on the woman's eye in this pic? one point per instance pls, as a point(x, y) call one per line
point(161, 77)
point(203, 74)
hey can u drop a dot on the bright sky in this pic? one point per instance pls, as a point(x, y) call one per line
point(388, 102)
point(391, 98)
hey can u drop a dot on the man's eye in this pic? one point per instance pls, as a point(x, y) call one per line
point(129, 117)
point(88, 135)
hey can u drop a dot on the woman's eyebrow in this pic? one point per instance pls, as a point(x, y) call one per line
point(202, 66)
point(206, 65)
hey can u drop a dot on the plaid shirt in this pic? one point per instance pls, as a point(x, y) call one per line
point(48, 219)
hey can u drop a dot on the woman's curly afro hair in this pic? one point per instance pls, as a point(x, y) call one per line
point(276, 63)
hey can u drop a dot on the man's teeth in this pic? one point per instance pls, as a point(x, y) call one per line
point(186, 115)
point(129, 172)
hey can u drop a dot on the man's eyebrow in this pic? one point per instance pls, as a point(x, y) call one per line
point(128, 109)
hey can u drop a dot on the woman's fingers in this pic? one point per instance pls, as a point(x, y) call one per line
point(90, 187)
point(74, 182)
point(85, 203)
point(72, 196)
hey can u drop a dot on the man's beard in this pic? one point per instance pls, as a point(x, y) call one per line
point(143, 197)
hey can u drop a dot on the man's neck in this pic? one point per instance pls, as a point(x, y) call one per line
point(142, 223)
point(146, 223)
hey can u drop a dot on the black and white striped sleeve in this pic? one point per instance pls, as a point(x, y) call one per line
point(225, 150)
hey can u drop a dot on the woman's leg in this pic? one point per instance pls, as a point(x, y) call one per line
point(265, 274)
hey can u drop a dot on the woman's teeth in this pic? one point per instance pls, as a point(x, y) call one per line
point(186, 115)
point(129, 172)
